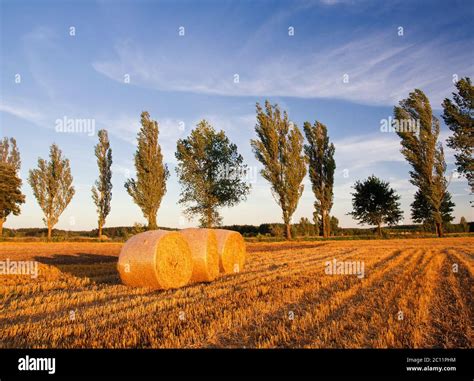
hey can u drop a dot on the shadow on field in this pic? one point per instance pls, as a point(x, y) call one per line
point(97, 268)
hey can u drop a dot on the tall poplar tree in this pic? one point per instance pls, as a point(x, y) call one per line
point(423, 152)
point(459, 117)
point(149, 188)
point(279, 147)
point(52, 186)
point(102, 190)
point(320, 155)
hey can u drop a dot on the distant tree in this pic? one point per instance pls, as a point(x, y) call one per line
point(464, 224)
point(52, 186)
point(318, 226)
point(278, 147)
point(459, 117)
point(423, 152)
point(277, 230)
point(211, 172)
point(102, 190)
point(375, 203)
point(305, 228)
point(149, 188)
point(320, 155)
point(334, 224)
point(10, 182)
point(421, 209)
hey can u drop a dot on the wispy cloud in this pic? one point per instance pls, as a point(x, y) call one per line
point(381, 68)
point(367, 150)
point(20, 112)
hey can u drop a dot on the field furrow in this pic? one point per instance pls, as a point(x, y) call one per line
point(412, 293)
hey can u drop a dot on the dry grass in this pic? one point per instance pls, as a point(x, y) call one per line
point(282, 298)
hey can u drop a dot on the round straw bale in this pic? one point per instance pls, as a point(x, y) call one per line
point(157, 259)
point(232, 251)
point(203, 245)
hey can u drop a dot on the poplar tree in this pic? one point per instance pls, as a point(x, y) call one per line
point(459, 117)
point(149, 187)
point(102, 190)
point(279, 147)
point(52, 186)
point(423, 152)
point(320, 155)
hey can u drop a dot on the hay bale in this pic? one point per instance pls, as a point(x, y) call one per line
point(157, 259)
point(232, 251)
point(203, 245)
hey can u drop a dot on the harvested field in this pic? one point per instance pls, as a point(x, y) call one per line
point(411, 293)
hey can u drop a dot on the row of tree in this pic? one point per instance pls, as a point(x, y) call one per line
point(212, 172)
point(279, 147)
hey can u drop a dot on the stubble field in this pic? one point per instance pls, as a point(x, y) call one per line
point(413, 293)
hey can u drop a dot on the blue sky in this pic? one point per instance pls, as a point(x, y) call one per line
point(181, 79)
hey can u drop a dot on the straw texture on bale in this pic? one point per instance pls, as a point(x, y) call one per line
point(203, 245)
point(231, 249)
point(157, 259)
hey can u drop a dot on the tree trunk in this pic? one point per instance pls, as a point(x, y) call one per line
point(50, 229)
point(324, 223)
point(327, 231)
point(288, 231)
point(152, 221)
point(100, 230)
point(379, 230)
point(209, 218)
point(439, 229)
point(2, 220)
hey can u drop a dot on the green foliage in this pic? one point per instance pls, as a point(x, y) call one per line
point(52, 186)
point(277, 230)
point(211, 173)
point(305, 228)
point(10, 192)
point(9, 153)
point(149, 188)
point(375, 203)
point(334, 222)
point(278, 147)
point(421, 209)
point(10, 184)
point(459, 117)
point(423, 152)
point(320, 155)
point(102, 191)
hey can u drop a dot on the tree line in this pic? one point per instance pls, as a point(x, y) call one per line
point(211, 171)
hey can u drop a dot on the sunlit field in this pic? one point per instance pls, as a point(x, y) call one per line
point(411, 293)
